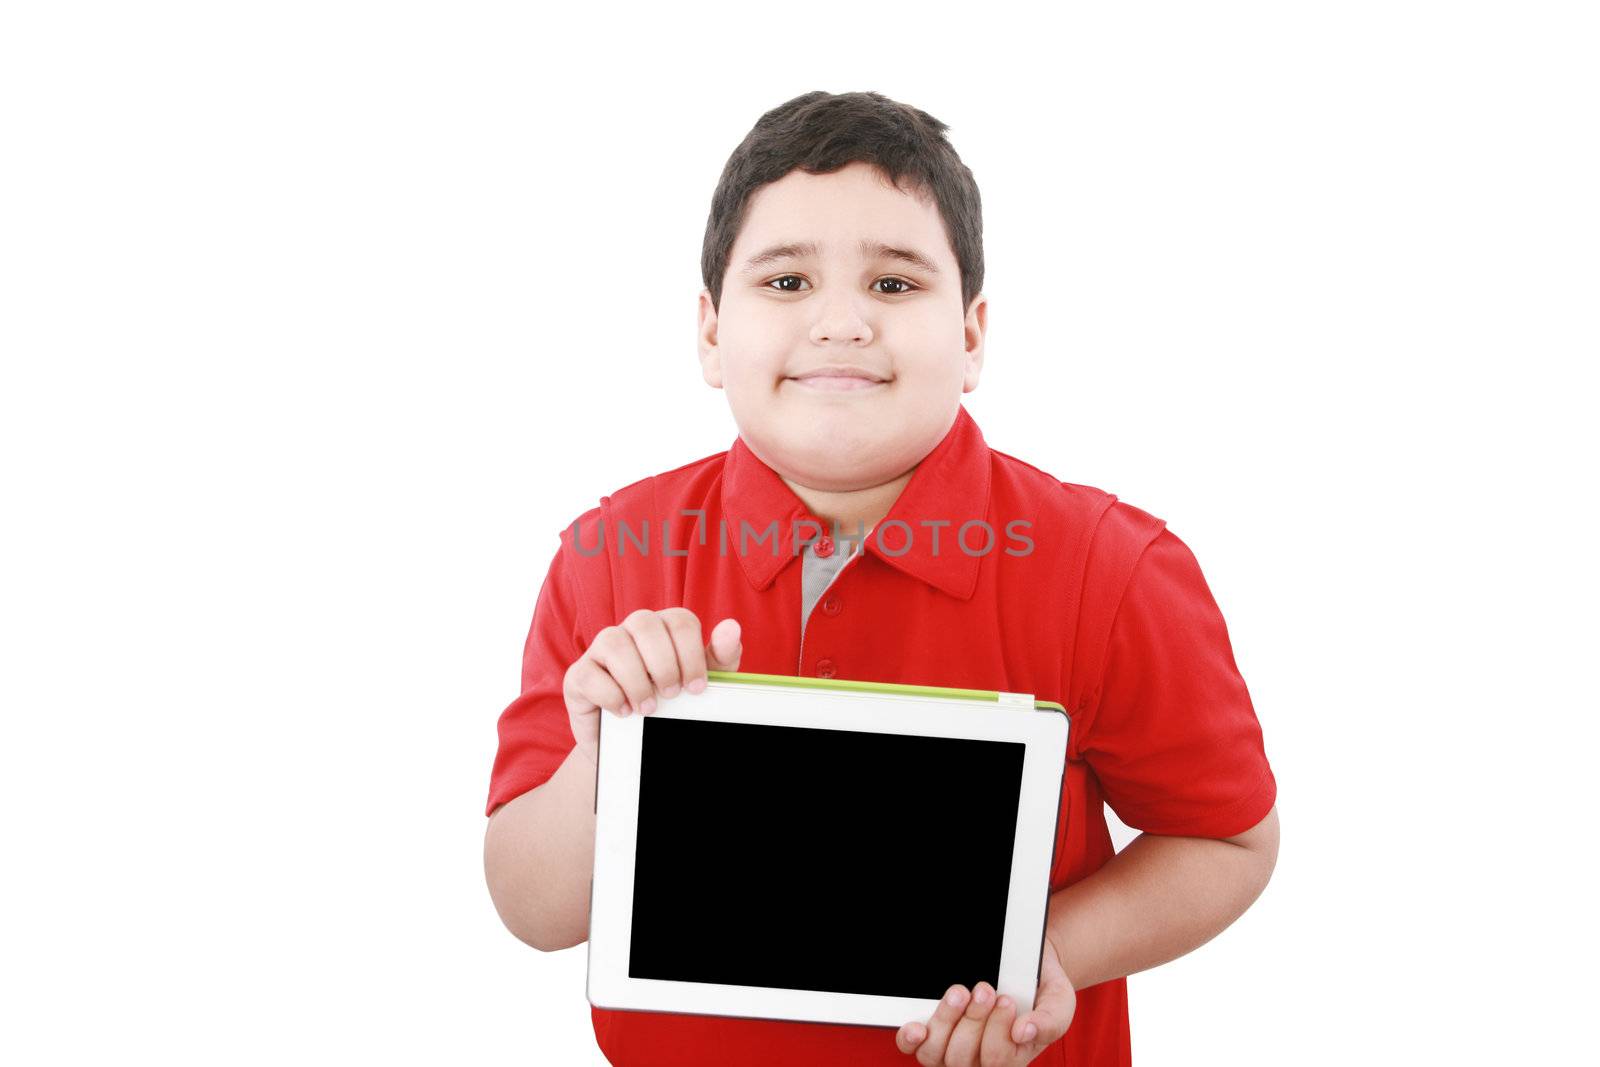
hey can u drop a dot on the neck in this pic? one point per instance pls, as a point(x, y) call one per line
point(852, 509)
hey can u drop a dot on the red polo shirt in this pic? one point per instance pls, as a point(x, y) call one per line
point(1081, 599)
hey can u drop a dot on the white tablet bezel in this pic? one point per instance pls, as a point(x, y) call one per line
point(1042, 731)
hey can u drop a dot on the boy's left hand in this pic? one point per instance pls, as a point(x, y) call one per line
point(989, 1034)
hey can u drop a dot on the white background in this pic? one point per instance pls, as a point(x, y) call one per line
point(320, 320)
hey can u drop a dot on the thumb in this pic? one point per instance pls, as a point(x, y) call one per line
point(722, 654)
point(1053, 1008)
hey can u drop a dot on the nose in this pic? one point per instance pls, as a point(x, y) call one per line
point(840, 319)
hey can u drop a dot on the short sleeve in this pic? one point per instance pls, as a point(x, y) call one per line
point(535, 736)
point(1174, 738)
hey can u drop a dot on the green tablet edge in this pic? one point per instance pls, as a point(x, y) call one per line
point(867, 687)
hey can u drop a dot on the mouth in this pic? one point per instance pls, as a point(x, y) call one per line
point(838, 379)
point(832, 383)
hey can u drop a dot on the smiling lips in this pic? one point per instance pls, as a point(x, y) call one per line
point(838, 379)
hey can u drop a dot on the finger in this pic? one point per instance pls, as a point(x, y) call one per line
point(909, 1036)
point(724, 650)
point(588, 687)
point(997, 1046)
point(1047, 1022)
point(963, 1046)
point(1053, 1006)
point(940, 1024)
point(650, 636)
point(614, 650)
point(684, 628)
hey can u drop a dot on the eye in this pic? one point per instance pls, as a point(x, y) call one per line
point(786, 278)
point(905, 286)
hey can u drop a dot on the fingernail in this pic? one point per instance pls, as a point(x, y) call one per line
point(1029, 1032)
point(648, 706)
point(697, 686)
point(1004, 1003)
point(981, 995)
point(669, 692)
point(954, 998)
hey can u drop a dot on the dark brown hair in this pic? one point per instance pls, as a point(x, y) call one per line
point(821, 132)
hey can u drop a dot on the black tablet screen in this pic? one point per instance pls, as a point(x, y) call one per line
point(834, 860)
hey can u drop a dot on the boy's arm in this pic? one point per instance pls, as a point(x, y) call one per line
point(1171, 734)
point(1157, 899)
point(538, 857)
point(538, 849)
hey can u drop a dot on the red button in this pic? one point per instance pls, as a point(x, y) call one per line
point(824, 668)
point(824, 547)
point(831, 605)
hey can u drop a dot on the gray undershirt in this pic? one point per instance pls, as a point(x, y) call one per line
point(818, 572)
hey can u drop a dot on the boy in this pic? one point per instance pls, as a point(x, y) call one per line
point(843, 318)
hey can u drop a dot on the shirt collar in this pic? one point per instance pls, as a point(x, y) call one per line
point(949, 488)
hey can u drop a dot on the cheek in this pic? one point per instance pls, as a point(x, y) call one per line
point(934, 369)
point(755, 349)
point(943, 339)
point(751, 375)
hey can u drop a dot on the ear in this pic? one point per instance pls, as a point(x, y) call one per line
point(977, 324)
point(710, 355)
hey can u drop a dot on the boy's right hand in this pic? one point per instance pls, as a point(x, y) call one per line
point(649, 656)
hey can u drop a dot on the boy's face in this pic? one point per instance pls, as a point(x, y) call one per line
point(839, 304)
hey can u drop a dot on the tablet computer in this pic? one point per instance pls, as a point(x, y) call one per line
point(822, 851)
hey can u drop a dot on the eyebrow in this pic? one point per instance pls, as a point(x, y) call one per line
point(870, 248)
